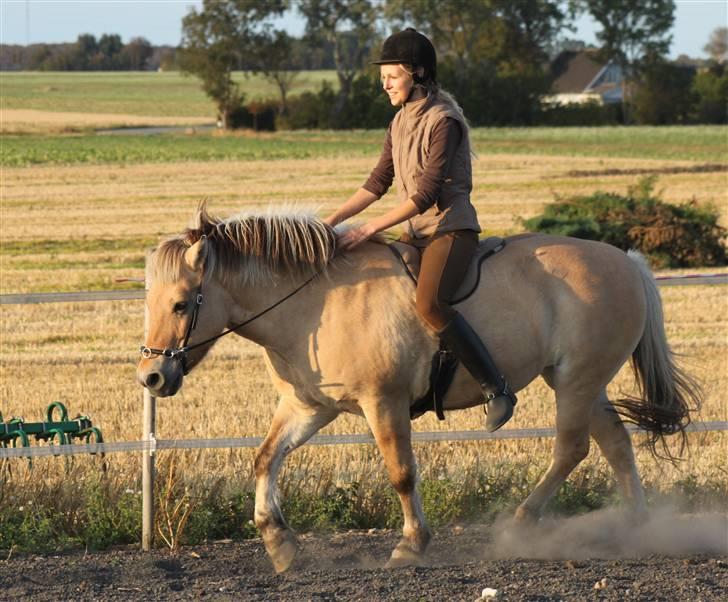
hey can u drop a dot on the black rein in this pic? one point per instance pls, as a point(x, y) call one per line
point(180, 353)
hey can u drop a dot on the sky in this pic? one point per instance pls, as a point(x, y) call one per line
point(160, 21)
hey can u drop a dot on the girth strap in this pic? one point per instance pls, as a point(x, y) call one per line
point(442, 372)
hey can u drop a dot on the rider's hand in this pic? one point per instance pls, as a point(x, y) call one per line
point(351, 238)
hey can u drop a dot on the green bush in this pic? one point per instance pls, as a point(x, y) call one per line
point(309, 110)
point(256, 115)
point(685, 235)
point(366, 108)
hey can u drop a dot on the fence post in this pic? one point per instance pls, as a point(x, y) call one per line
point(149, 425)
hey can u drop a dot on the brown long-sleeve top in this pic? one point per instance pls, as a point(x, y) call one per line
point(446, 137)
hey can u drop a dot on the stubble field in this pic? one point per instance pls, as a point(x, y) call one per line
point(82, 220)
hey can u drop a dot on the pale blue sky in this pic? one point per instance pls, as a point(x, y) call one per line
point(33, 21)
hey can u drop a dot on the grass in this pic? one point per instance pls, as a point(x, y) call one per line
point(106, 513)
point(698, 143)
point(695, 143)
point(20, 151)
point(132, 93)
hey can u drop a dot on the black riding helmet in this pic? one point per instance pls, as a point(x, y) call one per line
point(412, 48)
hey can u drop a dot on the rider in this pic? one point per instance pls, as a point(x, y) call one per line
point(427, 151)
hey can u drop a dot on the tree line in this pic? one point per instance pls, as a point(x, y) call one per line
point(109, 53)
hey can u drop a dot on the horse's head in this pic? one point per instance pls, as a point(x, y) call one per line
point(177, 317)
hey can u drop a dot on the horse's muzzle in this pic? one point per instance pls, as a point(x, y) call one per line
point(162, 378)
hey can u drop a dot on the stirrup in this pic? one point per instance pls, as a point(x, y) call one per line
point(505, 392)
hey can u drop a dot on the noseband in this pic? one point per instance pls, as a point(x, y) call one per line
point(180, 353)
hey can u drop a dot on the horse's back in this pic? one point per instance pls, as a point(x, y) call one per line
point(590, 271)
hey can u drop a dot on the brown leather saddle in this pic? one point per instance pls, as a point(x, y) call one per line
point(410, 255)
point(444, 363)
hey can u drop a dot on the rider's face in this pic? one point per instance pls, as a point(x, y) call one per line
point(397, 83)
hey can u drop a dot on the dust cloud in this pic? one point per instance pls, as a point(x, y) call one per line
point(611, 533)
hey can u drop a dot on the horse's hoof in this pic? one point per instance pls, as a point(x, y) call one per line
point(525, 518)
point(403, 555)
point(283, 551)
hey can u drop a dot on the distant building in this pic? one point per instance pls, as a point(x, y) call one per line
point(580, 78)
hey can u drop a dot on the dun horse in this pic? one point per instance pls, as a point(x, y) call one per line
point(340, 334)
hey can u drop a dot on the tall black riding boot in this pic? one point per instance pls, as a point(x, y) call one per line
point(465, 343)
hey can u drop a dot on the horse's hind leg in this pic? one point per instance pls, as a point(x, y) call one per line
point(293, 424)
point(390, 425)
point(616, 445)
point(573, 410)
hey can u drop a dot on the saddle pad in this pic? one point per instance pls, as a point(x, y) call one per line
point(410, 256)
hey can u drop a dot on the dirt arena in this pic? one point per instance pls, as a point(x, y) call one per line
point(591, 557)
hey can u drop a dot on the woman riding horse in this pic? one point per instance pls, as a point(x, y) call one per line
point(427, 151)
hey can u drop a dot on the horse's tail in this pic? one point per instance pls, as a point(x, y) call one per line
point(667, 393)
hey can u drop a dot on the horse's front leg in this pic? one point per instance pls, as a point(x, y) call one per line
point(390, 425)
point(294, 423)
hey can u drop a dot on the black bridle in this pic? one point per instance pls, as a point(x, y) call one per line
point(180, 353)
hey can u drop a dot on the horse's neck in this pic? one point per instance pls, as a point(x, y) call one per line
point(366, 283)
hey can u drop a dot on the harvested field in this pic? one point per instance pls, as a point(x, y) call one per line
point(27, 121)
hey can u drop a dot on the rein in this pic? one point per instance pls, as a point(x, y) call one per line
point(180, 353)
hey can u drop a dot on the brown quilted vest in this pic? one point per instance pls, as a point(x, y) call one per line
point(411, 132)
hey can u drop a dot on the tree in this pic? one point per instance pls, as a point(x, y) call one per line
point(110, 45)
point(84, 52)
point(136, 53)
point(216, 39)
point(349, 26)
point(711, 89)
point(630, 32)
point(664, 94)
point(717, 46)
point(275, 61)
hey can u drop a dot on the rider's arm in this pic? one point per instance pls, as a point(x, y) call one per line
point(356, 203)
point(350, 238)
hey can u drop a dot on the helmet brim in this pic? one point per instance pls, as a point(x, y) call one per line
point(389, 62)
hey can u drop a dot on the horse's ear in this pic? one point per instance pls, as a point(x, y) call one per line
point(196, 254)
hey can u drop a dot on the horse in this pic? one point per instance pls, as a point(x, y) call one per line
point(340, 334)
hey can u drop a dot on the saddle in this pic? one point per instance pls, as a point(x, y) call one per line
point(444, 362)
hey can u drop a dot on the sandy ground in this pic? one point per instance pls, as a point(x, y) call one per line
point(347, 566)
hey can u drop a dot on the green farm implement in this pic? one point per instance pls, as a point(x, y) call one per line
point(57, 428)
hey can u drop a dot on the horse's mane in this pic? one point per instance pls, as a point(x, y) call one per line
point(250, 248)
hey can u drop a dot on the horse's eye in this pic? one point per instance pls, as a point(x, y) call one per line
point(180, 307)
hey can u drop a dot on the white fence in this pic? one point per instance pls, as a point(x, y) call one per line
point(32, 298)
point(154, 445)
